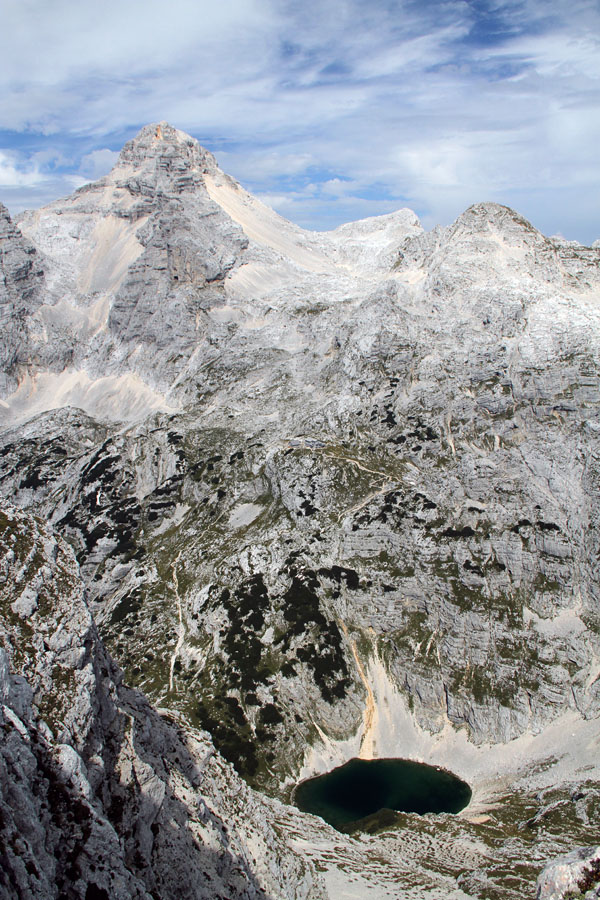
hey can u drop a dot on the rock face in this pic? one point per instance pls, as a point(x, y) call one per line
point(21, 280)
point(574, 875)
point(101, 796)
point(329, 495)
point(133, 261)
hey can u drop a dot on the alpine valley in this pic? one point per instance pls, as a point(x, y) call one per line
point(274, 499)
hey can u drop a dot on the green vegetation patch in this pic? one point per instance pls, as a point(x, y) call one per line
point(246, 607)
point(224, 718)
point(321, 648)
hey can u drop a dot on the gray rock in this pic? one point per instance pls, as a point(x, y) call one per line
point(21, 284)
point(100, 795)
point(575, 875)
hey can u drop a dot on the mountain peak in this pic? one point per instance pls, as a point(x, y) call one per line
point(171, 153)
point(480, 216)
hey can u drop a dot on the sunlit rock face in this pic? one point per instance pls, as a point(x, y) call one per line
point(331, 495)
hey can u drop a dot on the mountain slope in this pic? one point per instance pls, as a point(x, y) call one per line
point(101, 795)
point(330, 494)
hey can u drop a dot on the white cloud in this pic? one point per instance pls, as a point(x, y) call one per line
point(64, 37)
point(444, 103)
point(98, 163)
point(278, 202)
point(13, 174)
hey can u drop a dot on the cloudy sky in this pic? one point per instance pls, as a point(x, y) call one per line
point(330, 110)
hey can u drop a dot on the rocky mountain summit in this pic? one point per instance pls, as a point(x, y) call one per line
point(317, 495)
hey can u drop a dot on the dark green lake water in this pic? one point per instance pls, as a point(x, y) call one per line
point(362, 787)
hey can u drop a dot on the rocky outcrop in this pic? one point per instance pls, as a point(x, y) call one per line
point(100, 795)
point(572, 876)
point(190, 245)
point(21, 283)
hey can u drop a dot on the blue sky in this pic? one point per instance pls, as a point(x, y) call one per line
point(330, 111)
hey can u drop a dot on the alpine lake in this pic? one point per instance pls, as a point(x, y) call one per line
point(367, 795)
